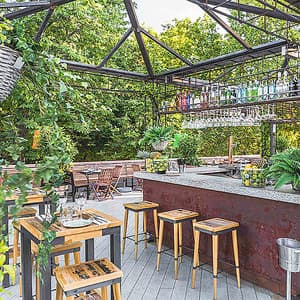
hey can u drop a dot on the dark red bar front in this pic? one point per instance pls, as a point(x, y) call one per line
point(261, 223)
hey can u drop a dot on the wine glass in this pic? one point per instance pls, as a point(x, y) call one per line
point(61, 202)
point(80, 201)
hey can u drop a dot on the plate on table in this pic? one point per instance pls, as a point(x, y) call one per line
point(77, 223)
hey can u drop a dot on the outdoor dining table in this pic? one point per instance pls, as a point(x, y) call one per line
point(31, 231)
point(88, 173)
point(35, 198)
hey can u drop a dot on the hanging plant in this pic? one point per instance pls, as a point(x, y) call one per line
point(10, 67)
point(157, 137)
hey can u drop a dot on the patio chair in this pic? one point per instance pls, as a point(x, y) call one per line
point(116, 178)
point(139, 181)
point(102, 188)
point(78, 181)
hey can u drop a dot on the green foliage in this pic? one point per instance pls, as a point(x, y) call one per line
point(285, 168)
point(188, 149)
point(155, 135)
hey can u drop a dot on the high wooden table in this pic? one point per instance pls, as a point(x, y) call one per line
point(35, 198)
point(31, 230)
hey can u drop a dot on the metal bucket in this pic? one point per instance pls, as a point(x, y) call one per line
point(289, 254)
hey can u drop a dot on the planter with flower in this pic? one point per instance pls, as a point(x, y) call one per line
point(157, 138)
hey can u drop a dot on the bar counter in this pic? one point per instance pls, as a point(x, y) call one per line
point(263, 213)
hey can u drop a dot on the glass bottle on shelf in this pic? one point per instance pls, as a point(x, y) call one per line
point(298, 85)
point(228, 95)
point(249, 92)
point(207, 97)
point(266, 91)
point(211, 98)
point(188, 100)
point(254, 92)
point(178, 101)
point(293, 87)
point(233, 96)
point(184, 101)
point(260, 91)
point(279, 86)
point(196, 102)
point(223, 96)
point(272, 90)
point(239, 95)
point(285, 88)
point(217, 95)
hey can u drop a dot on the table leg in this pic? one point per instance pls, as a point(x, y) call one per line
point(26, 266)
point(42, 208)
point(115, 250)
point(5, 282)
point(89, 249)
point(45, 281)
point(88, 188)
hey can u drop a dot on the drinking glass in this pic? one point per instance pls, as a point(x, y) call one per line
point(80, 201)
point(67, 213)
point(61, 202)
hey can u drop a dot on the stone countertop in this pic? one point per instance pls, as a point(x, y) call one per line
point(223, 184)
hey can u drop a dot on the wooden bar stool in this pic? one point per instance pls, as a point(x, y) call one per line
point(177, 217)
point(64, 249)
point(215, 227)
point(138, 207)
point(94, 276)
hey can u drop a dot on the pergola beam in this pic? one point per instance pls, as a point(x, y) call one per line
point(77, 66)
point(32, 10)
point(249, 24)
point(248, 8)
point(44, 24)
point(295, 3)
point(284, 14)
point(233, 33)
point(116, 47)
point(163, 45)
point(229, 59)
point(137, 31)
point(23, 4)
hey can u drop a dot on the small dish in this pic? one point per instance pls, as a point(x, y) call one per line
point(77, 223)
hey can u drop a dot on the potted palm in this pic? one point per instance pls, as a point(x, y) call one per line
point(157, 137)
point(285, 169)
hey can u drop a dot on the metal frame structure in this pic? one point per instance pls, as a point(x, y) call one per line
point(289, 12)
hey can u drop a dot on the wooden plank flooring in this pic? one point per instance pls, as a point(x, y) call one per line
point(141, 281)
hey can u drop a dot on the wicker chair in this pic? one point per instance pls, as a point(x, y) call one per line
point(102, 188)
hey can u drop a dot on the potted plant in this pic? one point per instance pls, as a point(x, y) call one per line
point(157, 137)
point(285, 169)
point(187, 150)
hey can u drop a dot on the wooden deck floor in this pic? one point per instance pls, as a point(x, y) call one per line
point(141, 281)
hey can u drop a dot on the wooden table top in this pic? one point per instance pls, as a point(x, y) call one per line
point(35, 227)
point(35, 197)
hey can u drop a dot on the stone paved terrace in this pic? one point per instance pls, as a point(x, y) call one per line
point(141, 281)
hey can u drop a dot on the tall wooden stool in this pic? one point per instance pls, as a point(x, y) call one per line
point(86, 277)
point(138, 207)
point(215, 227)
point(64, 249)
point(177, 217)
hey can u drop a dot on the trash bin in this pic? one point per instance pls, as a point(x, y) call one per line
point(289, 260)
